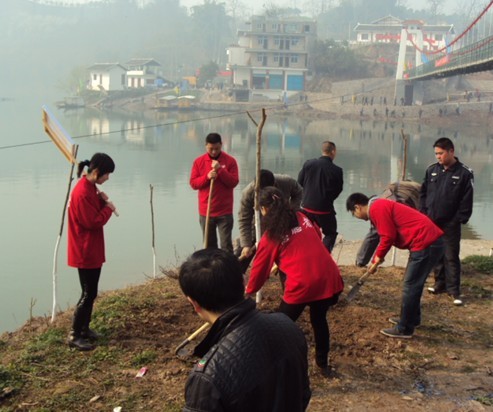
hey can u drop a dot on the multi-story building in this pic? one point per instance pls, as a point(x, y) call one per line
point(272, 57)
point(388, 30)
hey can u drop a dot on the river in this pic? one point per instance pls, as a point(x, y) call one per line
point(158, 149)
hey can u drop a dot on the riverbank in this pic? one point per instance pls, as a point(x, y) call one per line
point(443, 368)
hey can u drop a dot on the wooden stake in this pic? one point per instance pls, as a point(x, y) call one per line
point(152, 241)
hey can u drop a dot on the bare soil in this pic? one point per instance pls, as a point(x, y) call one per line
point(446, 366)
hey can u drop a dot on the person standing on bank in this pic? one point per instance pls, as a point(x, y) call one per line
point(293, 242)
point(447, 198)
point(406, 228)
point(250, 361)
point(88, 211)
point(322, 183)
point(215, 165)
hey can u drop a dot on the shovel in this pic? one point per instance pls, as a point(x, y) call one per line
point(355, 289)
point(181, 350)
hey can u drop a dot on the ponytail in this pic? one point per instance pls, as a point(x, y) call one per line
point(81, 166)
point(100, 161)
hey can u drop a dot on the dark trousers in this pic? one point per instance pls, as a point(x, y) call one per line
point(224, 226)
point(447, 270)
point(419, 265)
point(368, 247)
point(89, 280)
point(318, 319)
point(328, 224)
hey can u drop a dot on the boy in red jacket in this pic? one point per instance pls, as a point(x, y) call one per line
point(406, 228)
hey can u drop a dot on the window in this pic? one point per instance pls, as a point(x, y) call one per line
point(293, 58)
point(364, 36)
point(438, 37)
point(275, 26)
point(291, 28)
point(295, 41)
point(95, 77)
point(123, 79)
point(260, 57)
point(306, 28)
point(276, 58)
point(277, 41)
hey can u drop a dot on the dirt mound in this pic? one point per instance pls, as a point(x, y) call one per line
point(446, 366)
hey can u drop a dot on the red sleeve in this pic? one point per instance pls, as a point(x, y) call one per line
point(381, 217)
point(198, 180)
point(228, 175)
point(89, 216)
point(265, 257)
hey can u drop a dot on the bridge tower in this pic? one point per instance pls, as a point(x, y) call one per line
point(404, 89)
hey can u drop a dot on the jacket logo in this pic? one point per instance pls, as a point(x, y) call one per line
point(434, 174)
point(201, 364)
point(456, 177)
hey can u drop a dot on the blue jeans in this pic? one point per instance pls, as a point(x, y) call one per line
point(419, 265)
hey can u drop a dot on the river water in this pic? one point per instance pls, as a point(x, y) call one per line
point(158, 149)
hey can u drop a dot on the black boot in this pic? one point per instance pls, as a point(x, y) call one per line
point(78, 342)
point(90, 334)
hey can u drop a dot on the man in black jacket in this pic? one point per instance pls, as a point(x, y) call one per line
point(446, 198)
point(322, 183)
point(250, 361)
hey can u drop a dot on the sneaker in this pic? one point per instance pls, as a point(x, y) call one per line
point(395, 333)
point(435, 290)
point(395, 321)
point(457, 300)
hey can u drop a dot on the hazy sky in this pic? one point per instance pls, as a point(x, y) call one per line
point(257, 5)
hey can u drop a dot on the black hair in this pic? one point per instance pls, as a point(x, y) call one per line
point(280, 217)
point(266, 178)
point(328, 147)
point(356, 199)
point(444, 143)
point(213, 138)
point(100, 161)
point(213, 278)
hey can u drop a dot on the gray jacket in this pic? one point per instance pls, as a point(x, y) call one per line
point(288, 186)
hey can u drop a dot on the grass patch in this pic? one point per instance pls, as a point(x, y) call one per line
point(481, 264)
point(144, 358)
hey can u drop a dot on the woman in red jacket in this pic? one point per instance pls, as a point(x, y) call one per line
point(313, 279)
point(88, 211)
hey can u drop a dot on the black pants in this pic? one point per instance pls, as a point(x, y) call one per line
point(224, 226)
point(447, 271)
point(318, 319)
point(89, 280)
point(328, 224)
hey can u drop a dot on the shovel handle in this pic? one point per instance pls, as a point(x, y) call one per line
point(370, 270)
point(192, 337)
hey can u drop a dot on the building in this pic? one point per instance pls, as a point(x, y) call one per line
point(271, 58)
point(142, 73)
point(388, 30)
point(107, 77)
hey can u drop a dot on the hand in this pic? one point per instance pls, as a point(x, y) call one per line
point(377, 261)
point(216, 165)
point(103, 196)
point(246, 252)
point(111, 206)
point(212, 174)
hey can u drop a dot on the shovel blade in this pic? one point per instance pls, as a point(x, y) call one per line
point(353, 292)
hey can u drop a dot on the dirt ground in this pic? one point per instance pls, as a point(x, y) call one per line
point(446, 366)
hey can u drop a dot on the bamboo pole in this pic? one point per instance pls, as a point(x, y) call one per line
point(57, 244)
point(151, 188)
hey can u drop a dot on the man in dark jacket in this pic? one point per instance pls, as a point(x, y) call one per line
point(447, 198)
point(322, 183)
point(250, 361)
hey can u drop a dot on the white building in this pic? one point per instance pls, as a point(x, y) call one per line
point(388, 30)
point(272, 56)
point(142, 72)
point(107, 76)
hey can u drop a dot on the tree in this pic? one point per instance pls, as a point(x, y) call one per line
point(207, 73)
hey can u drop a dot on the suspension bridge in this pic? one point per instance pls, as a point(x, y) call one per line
point(469, 52)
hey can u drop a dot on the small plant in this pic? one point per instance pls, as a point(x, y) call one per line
point(144, 358)
point(481, 264)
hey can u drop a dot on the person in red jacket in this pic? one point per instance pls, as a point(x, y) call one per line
point(294, 243)
point(88, 211)
point(404, 227)
point(222, 168)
